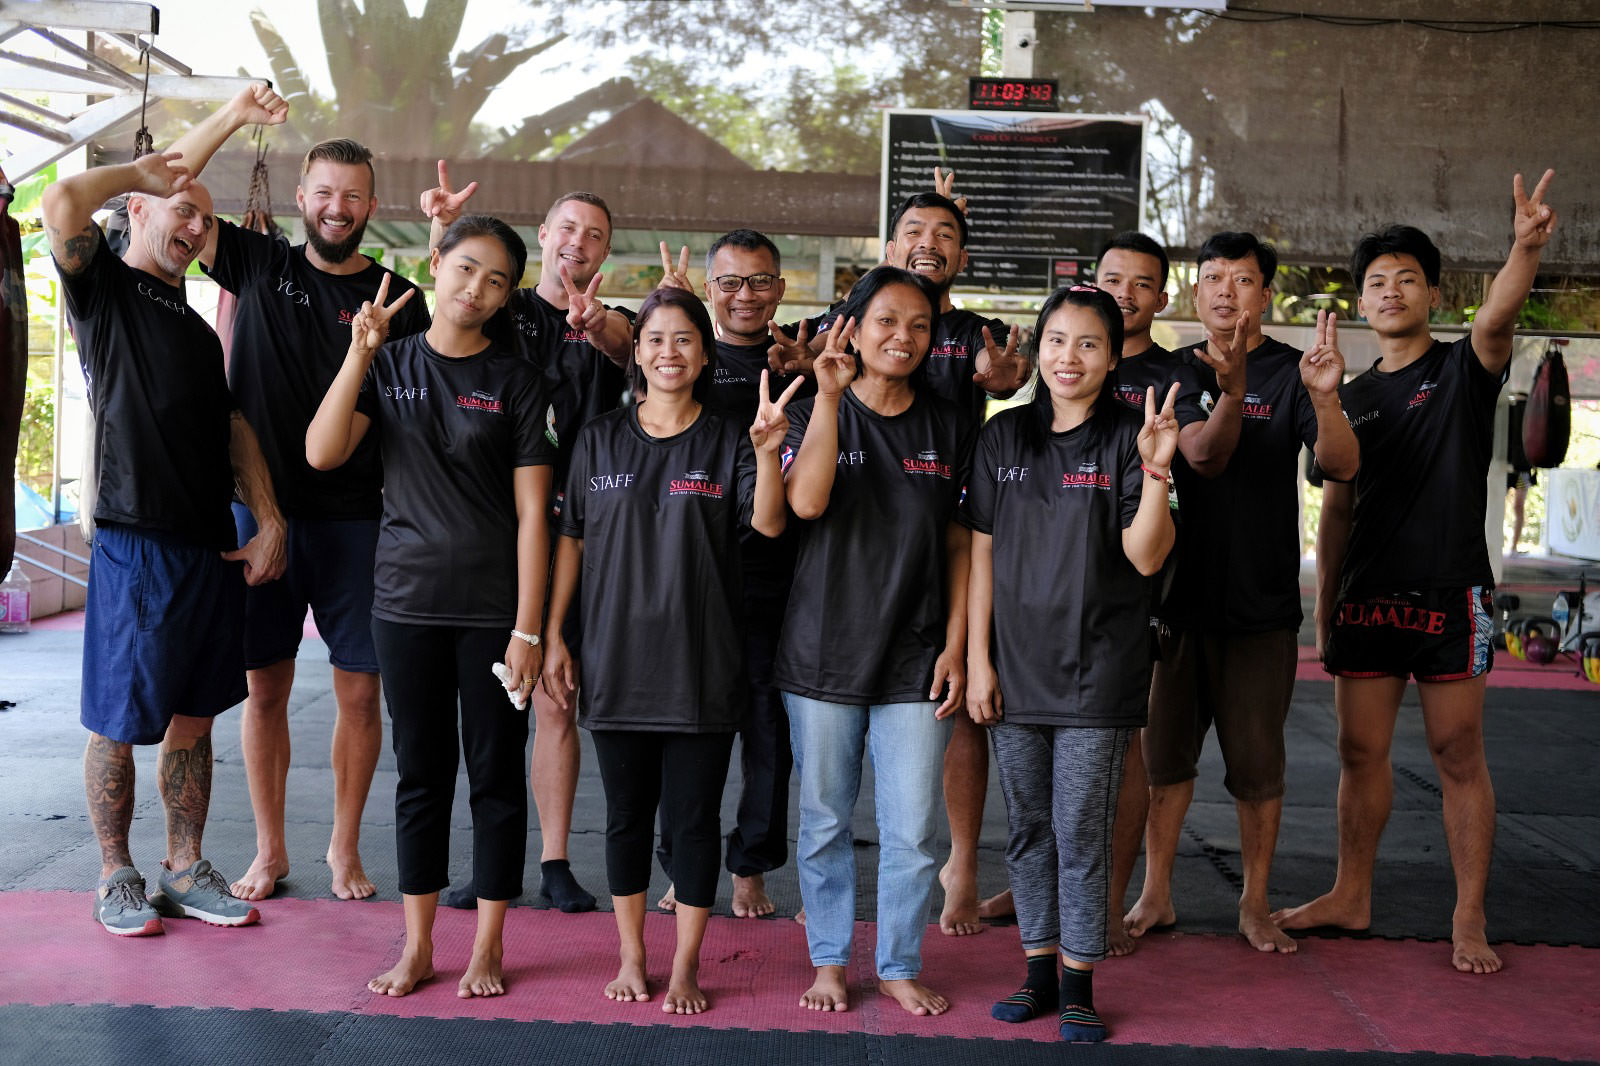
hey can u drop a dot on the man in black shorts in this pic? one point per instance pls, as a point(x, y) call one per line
point(1235, 601)
point(162, 648)
point(291, 328)
point(581, 347)
point(1404, 587)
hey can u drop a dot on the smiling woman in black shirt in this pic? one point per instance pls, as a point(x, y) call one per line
point(655, 500)
point(463, 549)
point(875, 632)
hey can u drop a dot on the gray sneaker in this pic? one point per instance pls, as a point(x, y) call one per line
point(200, 892)
point(120, 906)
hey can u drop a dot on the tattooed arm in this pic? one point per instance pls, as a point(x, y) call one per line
point(69, 205)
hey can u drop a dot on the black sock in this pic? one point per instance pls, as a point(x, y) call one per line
point(1038, 994)
point(557, 885)
point(1079, 1022)
point(462, 897)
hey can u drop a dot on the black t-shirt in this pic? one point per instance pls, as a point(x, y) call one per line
point(1426, 433)
point(1239, 555)
point(290, 334)
point(866, 616)
point(1156, 367)
point(1069, 637)
point(734, 394)
point(952, 356)
point(451, 431)
point(663, 643)
point(162, 409)
point(581, 381)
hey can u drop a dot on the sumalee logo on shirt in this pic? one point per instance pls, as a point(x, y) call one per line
point(287, 287)
point(950, 349)
point(1087, 476)
point(695, 483)
point(607, 482)
point(479, 401)
point(1257, 408)
point(574, 335)
point(927, 461)
point(1424, 391)
point(1131, 395)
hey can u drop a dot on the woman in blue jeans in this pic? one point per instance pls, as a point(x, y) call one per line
point(874, 641)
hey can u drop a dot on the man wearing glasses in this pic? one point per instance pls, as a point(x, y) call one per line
point(745, 286)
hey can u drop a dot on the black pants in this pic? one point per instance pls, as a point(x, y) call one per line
point(760, 838)
point(428, 671)
point(681, 772)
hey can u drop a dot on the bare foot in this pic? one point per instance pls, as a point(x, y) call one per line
point(750, 899)
point(1148, 913)
point(998, 906)
point(261, 880)
point(684, 995)
point(1328, 910)
point(484, 976)
point(1470, 951)
point(407, 974)
point(915, 997)
point(350, 881)
point(800, 916)
point(669, 902)
point(828, 991)
point(1118, 942)
point(630, 985)
point(1257, 927)
point(960, 914)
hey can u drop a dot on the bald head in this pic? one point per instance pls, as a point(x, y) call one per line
point(168, 233)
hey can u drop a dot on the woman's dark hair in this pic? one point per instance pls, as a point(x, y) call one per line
point(499, 328)
point(867, 288)
point(1041, 411)
point(689, 304)
point(1395, 240)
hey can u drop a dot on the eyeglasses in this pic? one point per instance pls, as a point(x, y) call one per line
point(735, 282)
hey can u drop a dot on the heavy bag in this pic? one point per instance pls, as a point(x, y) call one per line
point(13, 363)
point(1547, 423)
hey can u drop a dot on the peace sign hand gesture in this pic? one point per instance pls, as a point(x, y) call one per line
point(1534, 221)
point(371, 324)
point(584, 309)
point(944, 183)
point(1322, 365)
point(1000, 370)
point(1158, 437)
point(1226, 356)
point(788, 355)
point(674, 279)
point(835, 368)
point(443, 202)
point(771, 425)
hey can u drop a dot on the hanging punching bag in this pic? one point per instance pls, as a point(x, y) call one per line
point(13, 363)
point(257, 216)
point(1547, 423)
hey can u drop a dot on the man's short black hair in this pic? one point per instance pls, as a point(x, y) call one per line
point(1395, 240)
point(1134, 241)
point(1232, 244)
point(929, 199)
point(748, 239)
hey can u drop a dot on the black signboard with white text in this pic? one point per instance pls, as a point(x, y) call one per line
point(1044, 191)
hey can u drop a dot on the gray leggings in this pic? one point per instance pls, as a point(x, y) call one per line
point(1060, 786)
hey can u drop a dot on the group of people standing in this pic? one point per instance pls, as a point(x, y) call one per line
point(805, 536)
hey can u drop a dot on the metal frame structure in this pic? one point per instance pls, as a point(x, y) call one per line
point(114, 94)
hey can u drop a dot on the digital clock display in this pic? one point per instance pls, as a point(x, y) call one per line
point(1012, 94)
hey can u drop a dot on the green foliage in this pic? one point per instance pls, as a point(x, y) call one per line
point(36, 444)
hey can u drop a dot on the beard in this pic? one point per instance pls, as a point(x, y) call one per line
point(333, 251)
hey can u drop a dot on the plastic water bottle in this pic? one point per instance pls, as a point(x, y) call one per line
point(16, 595)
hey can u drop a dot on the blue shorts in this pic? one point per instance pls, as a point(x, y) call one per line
point(163, 634)
point(330, 572)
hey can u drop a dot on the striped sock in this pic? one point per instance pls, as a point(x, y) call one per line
point(1038, 994)
point(1079, 1022)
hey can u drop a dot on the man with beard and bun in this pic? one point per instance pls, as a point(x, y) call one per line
point(1235, 602)
point(290, 332)
point(162, 641)
point(1404, 586)
point(744, 282)
point(581, 347)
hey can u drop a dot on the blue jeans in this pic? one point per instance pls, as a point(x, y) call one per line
point(906, 744)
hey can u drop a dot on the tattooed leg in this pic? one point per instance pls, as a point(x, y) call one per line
point(108, 786)
point(185, 778)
